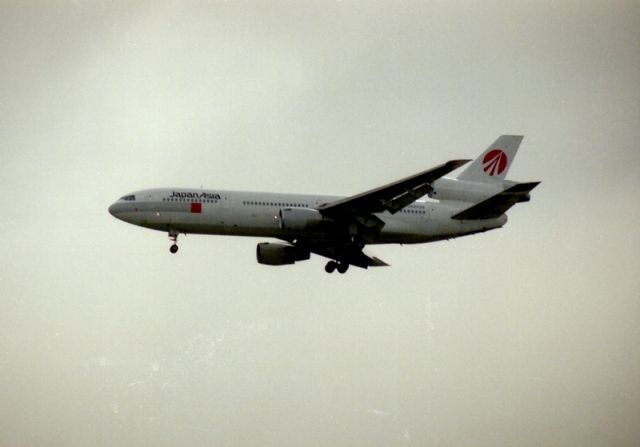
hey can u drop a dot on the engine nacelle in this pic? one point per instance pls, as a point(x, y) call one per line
point(465, 191)
point(279, 254)
point(300, 219)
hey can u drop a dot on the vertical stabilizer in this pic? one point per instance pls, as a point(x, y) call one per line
point(493, 164)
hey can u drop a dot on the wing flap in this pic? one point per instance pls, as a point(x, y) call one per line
point(497, 205)
point(342, 252)
point(373, 261)
point(392, 197)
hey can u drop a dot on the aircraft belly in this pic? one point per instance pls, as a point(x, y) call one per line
point(395, 232)
point(437, 226)
point(210, 221)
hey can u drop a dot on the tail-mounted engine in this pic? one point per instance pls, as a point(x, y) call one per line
point(465, 191)
point(280, 254)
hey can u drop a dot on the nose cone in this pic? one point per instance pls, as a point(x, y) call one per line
point(118, 209)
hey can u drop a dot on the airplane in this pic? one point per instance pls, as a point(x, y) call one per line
point(339, 228)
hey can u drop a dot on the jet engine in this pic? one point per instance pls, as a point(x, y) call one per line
point(465, 191)
point(279, 254)
point(300, 219)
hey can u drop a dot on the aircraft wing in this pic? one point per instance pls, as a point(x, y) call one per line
point(497, 205)
point(353, 257)
point(345, 253)
point(392, 197)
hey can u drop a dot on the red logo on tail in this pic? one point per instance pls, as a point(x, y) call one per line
point(494, 162)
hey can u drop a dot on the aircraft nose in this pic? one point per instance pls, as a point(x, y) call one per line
point(116, 209)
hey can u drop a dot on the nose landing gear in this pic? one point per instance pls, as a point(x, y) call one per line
point(173, 236)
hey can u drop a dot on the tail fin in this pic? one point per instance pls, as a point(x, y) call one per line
point(493, 164)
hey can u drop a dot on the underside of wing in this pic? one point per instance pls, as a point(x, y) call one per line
point(392, 197)
point(497, 205)
point(346, 253)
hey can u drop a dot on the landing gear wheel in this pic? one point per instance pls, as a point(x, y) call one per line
point(173, 237)
point(330, 267)
point(343, 267)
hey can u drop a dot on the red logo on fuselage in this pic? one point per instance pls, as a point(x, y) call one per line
point(494, 162)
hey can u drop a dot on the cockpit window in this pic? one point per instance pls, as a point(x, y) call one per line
point(129, 198)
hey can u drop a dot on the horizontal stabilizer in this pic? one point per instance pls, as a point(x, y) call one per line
point(497, 205)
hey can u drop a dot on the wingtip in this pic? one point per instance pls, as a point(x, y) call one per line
point(531, 185)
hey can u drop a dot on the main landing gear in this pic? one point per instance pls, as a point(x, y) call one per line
point(173, 236)
point(342, 267)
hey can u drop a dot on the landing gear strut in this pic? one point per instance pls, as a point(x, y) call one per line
point(173, 236)
point(331, 266)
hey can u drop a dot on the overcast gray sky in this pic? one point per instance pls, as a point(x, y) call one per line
point(528, 335)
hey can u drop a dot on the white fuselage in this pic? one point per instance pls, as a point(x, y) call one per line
point(237, 213)
point(340, 228)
